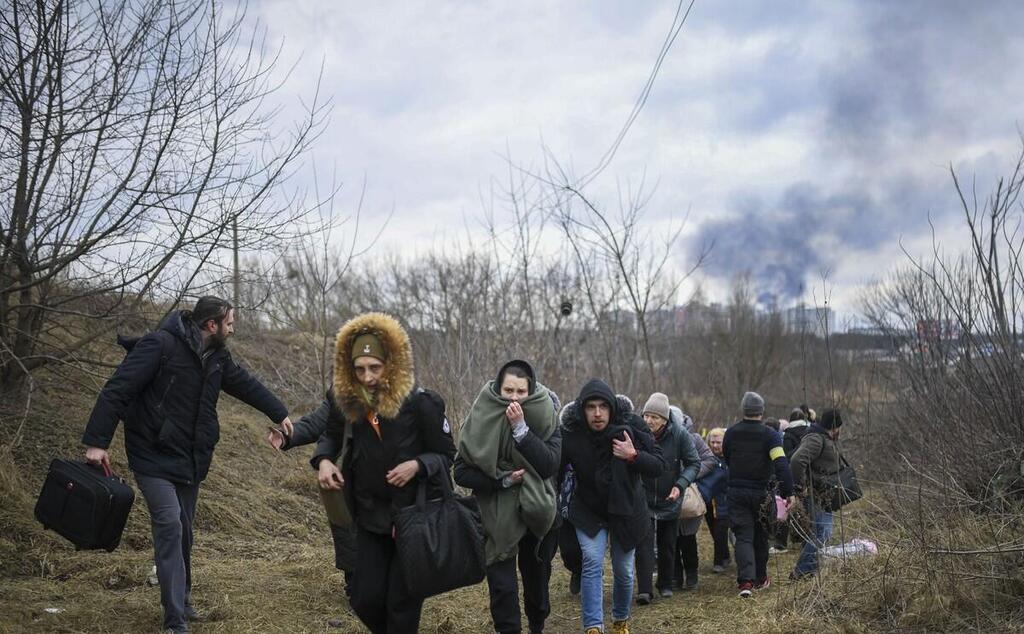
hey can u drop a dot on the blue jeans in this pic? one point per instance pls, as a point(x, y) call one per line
point(592, 582)
point(808, 561)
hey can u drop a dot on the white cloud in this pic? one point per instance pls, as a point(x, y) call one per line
point(752, 100)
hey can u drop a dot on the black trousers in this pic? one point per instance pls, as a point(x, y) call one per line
point(344, 553)
point(719, 529)
point(748, 518)
point(535, 567)
point(686, 557)
point(379, 595)
point(569, 546)
point(665, 532)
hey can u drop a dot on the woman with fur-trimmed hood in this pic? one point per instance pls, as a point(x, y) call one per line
point(509, 452)
point(390, 434)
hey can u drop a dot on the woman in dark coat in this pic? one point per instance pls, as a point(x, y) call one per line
point(664, 497)
point(391, 435)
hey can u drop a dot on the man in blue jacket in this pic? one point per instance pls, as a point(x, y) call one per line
point(166, 390)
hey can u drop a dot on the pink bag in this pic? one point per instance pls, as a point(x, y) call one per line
point(781, 512)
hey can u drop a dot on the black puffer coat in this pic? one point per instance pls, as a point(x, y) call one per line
point(166, 393)
point(413, 426)
point(609, 492)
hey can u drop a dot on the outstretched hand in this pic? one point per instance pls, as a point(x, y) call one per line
point(275, 438)
point(287, 426)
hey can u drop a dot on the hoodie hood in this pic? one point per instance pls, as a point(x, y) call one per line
point(596, 388)
point(179, 324)
point(572, 416)
point(531, 374)
point(398, 380)
point(683, 420)
point(793, 424)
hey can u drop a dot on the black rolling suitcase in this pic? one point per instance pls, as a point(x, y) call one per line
point(84, 504)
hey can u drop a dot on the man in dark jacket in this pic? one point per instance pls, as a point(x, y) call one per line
point(509, 452)
point(609, 450)
point(307, 430)
point(752, 452)
point(817, 455)
point(390, 434)
point(165, 390)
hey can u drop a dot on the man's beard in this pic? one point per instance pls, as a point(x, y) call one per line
point(217, 340)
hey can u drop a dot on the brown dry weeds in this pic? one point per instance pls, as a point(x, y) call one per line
point(263, 563)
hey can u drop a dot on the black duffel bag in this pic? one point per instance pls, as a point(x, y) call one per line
point(836, 490)
point(440, 542)
point(85, 504)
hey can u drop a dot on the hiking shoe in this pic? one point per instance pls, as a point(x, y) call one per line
point(691, 580)
point(620, 627)
point(746, 589)
point(718, 569)
point(574, 584)
point(665, 593)
point(593, 630)
point(763, 584)
point(195, 616)
point(643, 599)
point(776, 550)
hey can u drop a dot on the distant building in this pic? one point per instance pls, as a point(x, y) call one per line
point(812, 320)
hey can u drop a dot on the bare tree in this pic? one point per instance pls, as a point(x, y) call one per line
point(135, 143)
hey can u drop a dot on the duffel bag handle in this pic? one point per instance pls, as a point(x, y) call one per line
point(421, 490)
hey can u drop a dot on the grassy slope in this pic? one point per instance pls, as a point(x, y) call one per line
point(263, 559)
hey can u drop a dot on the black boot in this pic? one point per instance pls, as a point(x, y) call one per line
point(691, 580)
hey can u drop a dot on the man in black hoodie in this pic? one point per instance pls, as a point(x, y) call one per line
point(610, 449)
point(165, 390)
point(752, 452)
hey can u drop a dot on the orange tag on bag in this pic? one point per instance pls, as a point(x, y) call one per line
point(371, 417)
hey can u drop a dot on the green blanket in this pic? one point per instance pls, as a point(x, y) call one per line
point(485, 442)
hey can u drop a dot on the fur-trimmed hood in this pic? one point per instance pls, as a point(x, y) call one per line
point(399, 373)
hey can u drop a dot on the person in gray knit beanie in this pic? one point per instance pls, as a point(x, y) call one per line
point(657, 404)
point(753, 405)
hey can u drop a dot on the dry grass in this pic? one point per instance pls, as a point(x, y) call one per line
point(263, 562)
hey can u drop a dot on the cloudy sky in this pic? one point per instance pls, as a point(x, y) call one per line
point(804, 139)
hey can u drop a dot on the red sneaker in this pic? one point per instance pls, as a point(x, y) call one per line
point(746, 589)
point(763, 584)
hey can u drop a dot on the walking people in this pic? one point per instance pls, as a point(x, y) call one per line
point(391, 436)
point(610, 449)
point(664, 497)
point(510, 450)
point(166, 391)
point(753, 452)
point(687, 560)
point(818, 454)
point(713, 488)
